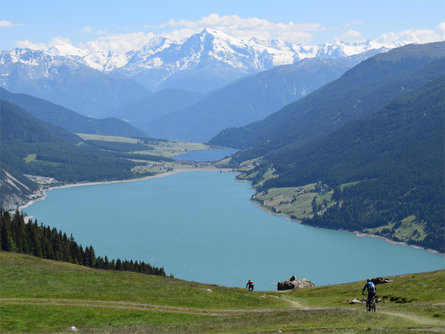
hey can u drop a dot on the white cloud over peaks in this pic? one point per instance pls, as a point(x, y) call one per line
point(350, 36)
point(9, 24)
point(119, 43)
point(87, 29)
point(57, 46)
point(243, 28)
point(414, 36)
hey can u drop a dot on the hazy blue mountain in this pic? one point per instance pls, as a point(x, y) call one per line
point(66, 81)
point(362, 89)
point(156, 105)
point(248, 99)
point(68, 119)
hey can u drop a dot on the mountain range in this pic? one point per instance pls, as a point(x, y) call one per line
point(94, 83)
point(68, 119)
point(367, 86)
point(374, 137)
point(248, 99)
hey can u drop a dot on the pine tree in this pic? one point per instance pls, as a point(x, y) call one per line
point(7, 241)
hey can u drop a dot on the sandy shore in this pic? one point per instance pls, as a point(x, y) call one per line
point(180, 170)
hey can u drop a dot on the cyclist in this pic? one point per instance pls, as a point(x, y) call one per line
point(250, 285)
point(370, 286)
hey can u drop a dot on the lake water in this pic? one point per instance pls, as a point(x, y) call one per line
point(207, 155)
point(201, 226)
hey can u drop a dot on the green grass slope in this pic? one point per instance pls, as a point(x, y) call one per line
point(43, 296)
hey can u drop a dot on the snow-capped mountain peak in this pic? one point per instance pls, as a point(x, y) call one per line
point(160, 59)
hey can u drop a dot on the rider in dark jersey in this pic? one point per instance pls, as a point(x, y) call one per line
point(370, 286)
point(249, 285)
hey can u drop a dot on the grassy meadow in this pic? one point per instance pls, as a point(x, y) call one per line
point(42, 296)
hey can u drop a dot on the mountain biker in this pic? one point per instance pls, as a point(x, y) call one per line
point(250, 285)
point(370, 286)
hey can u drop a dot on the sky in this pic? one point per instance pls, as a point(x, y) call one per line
point(122, 25)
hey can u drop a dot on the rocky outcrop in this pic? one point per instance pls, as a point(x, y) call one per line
point(380, 280)
point(293, 283)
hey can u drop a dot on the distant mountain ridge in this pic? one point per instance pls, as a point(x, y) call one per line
point(248, 99)
point(68, 119)
point(367, 86)
point(203, 62)
point(65, 80)
point(143, 111)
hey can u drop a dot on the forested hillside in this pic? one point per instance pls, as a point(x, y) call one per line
point(35, 147)
point(248, 99)
point(386, 170)
point(373, 142)
point(68, 119)
point(49, 243)
point(363, 89)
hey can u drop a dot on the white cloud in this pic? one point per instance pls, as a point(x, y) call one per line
point(25, 44)
point(353, 23)
point(87, 29)
point(119, 42)
point(413, 36)
point(243, 28)
point(60, 46)
point(350, 35)
point(9, 24)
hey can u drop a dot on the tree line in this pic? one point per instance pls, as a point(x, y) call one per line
point(49, 243)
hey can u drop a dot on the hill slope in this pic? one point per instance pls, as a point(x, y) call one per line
point(383, 174)
point(361, 90)
point(32, 146)
point(68, 119)
point(47, 296)
point(143, 111)
point(248, 99)
point(396, 154)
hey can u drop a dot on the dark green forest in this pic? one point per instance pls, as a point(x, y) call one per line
point(394, 158)
point(32, 146)
point(363, 89)
point(378, 129)
point(49, 243)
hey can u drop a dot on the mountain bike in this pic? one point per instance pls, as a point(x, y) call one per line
point(370, 304)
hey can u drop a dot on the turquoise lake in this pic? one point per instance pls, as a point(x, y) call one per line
point(202, 226)
point(207, 155)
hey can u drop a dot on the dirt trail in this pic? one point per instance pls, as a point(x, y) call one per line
point(418, 319)
point(133, 306)
point(293, 306)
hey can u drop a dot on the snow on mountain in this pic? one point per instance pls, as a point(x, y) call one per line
point(162, 63)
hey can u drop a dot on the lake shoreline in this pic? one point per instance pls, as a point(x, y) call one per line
point(356, 233)
point(82, 184)
point(260, 205)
